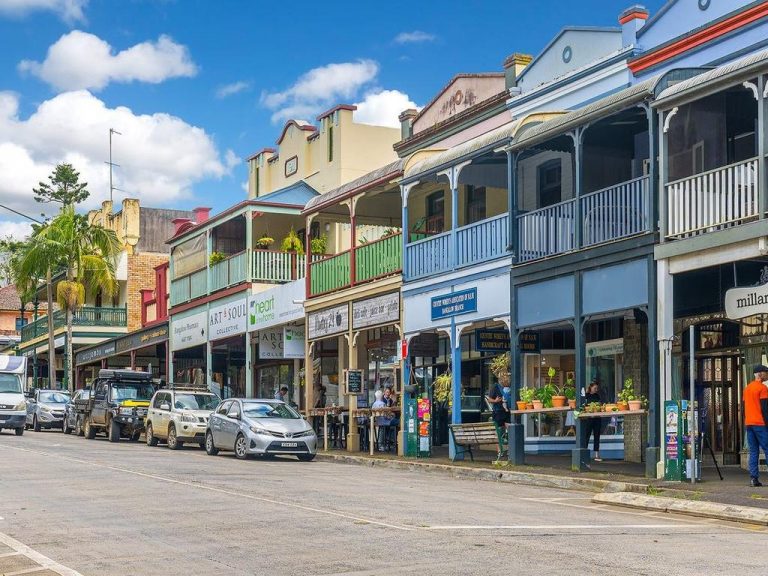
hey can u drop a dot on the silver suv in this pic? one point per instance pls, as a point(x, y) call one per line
point(179, 415)
point(45, 409)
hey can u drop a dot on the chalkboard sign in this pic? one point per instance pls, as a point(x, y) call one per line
point(354, 381)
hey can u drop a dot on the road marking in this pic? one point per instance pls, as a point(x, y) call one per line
point(356, 519)
point(44, 561)
point(561, 527)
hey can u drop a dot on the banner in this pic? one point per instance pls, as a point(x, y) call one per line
point(276, 306)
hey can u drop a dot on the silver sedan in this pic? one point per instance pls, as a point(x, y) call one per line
point(266, 427)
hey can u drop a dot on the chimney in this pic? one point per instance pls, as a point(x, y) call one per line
point(631, 20)
point(201, 214)
point(406, 122)
point(513, 66)
point(178, 223)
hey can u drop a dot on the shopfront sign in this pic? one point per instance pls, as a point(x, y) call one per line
point(276, 306)
point(454, 304)
point(492, 340)
point(228, 319)
point(99, 352)
point(328, 322)
point(270, 344)
point(293, 342)
point(528, 342)
point(147, 337)
point(353, 381)
point(281, 343)
point(743, 302)
point(189, 331)
point(374, 311)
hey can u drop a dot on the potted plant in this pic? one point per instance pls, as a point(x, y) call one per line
point(627, 395)
point(593, 407)
point(216, 257)
point(558, 398)
point(264, 242)
point(569, 391)
point(641, 403)
point(442, 388)
point(391, 231)
point(292, 243)
point(539, 397)
point(319, 245)
point(526, 398)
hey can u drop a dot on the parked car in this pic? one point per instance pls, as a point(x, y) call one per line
point(179, 415)
point(13, 405)
point(266, 427)
point(45, 409)
point(73, 421)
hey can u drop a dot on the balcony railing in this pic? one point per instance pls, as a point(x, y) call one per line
point(429, 256)
point(712, 200)
point(229, 272)
point(379, 258)
point(482, 241)
point(190, 286)
point(86, 316)
point(546, 231)
point(616, 212)
point(329, 274)
point(273, 266)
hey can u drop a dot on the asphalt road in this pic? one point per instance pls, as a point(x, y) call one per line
point(73, 506)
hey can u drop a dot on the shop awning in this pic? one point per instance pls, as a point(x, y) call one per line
point(737, 71)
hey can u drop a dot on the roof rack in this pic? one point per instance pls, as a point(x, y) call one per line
point(188, 387)
point(125, 374)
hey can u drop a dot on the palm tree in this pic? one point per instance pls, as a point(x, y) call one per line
point(84, 252)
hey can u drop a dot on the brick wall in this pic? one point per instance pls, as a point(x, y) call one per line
point(636, 367)
point(141, 275)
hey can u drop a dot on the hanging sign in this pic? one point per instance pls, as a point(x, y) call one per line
point(328, 322)
point(492, 340)
point(228, 319)
point(528, 342)
point(454, 304)
point(189, 331)
point(743, 302)
point(373, 311)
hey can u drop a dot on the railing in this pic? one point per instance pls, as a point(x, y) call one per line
point(379, 258)
point(616, 212)
point(273, 266)
point(712, 200)
point(190, 286)
point(428, 256)
point(546, 231)
point(229, 272)
point(484, 240)
point(85, 316)
point(329, 274)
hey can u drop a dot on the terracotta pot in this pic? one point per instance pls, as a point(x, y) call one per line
point(623, 406)
point(537, 405)
point(529, 405)
point(635, 405)
point(572, 404)
point(609, 407)
point(558, 401)
point(521, 405)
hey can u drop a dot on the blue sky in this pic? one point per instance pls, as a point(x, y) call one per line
point(196, 86)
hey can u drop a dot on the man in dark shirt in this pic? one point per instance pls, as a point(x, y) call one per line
point(496, 400)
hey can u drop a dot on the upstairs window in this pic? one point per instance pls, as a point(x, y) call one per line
point(475, 211)
point(550, 182)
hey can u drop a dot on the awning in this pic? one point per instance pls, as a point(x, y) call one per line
point(737, 71)
point(488, 141)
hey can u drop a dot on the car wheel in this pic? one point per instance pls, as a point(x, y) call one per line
point(210, 449)
point(306, 457)
point(78, 426)
point(19, 431)
point(35, 424)
point(114, 431)
point(173, 441)
point(241, 447)
point(150, 436)
point(90, 431)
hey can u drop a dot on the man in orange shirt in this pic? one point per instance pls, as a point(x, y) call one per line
point(755, 419)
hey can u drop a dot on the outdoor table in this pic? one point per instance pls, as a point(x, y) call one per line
point(372, 414)
point(333, 411)
point(542, 410)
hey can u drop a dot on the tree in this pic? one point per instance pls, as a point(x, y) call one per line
point(85, 252)
point(9, 249)
point(65, 187)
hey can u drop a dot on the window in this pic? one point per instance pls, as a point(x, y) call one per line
point(475, 211)
point(436, 212)
point(235, 408)
point(158, 401)
point(550, 180)
point(224, 408)
point(330, 143)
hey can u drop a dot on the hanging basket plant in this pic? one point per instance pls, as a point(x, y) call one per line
point(264, 242)
point(319, 245)
point(292, 243)
point(216, 257)
point(442, 388)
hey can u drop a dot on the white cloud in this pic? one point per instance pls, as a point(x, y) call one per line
point(161, 157)
point(414, 37)
point(16, 230)
point(382, 108)
point(320, 88)
point(70, 11)
point(232, 89)
point(80, 60)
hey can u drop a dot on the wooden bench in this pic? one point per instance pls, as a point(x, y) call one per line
point(465, 436)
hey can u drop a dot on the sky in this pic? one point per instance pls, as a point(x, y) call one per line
point(194, 87)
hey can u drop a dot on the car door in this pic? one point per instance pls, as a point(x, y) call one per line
point(100, 403)
point(233, 419)
point(217, 423)
point(31, 407)
point(164, 410)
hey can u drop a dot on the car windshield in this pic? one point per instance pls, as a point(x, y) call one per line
point(269, 410)
point(10, 383)
point(132, 391)
point(196, 401)
point(53, 397)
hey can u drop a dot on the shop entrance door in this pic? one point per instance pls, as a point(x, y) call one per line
point(719, 400)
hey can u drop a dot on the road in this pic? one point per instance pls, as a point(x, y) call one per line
point(85, 507)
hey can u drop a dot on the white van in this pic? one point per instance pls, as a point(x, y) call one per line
point(13, 407)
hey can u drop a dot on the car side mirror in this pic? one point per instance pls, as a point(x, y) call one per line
point(234, 415)
point(165, 406)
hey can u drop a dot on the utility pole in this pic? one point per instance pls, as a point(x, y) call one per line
point(111, 164)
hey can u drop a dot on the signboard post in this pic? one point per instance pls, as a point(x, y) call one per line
point(424, 415)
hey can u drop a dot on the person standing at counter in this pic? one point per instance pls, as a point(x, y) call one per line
point(593, 426)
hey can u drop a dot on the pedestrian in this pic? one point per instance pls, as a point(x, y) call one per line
point(381, 421)
point(495, 398)
point(593, 425)
point(320, 399)
point(281, 393)
point(755, 419)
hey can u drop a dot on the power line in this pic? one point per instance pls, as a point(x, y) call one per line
point(21, 214)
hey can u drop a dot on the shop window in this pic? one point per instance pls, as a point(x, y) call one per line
point(550, 182)
point(475, 210)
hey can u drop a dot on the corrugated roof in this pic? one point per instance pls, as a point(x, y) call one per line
point(742, 68)
point(490, 139)
point(332, 197)
point(297, 194)
point(599, 108)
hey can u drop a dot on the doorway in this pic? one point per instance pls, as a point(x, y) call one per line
point(719, 396)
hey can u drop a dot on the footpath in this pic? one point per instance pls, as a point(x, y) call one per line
point(731, 499)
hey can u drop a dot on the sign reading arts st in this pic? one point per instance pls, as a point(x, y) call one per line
point(743, 302)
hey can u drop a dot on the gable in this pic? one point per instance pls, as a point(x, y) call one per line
point(461, 93)
point(572, 48)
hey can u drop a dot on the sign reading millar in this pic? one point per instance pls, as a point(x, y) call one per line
point(454, 304)
point(743, 302)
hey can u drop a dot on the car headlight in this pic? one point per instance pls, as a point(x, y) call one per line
point(45, 408)
point(126, 411)
point(262, 431)
point(188, 418)
point(21, 405)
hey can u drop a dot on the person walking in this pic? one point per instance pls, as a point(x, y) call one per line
point(593, 426)
point(755, 420)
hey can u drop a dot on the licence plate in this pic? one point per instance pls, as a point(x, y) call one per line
point(289, 444)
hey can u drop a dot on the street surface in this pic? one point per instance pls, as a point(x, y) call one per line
point(72, 506)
